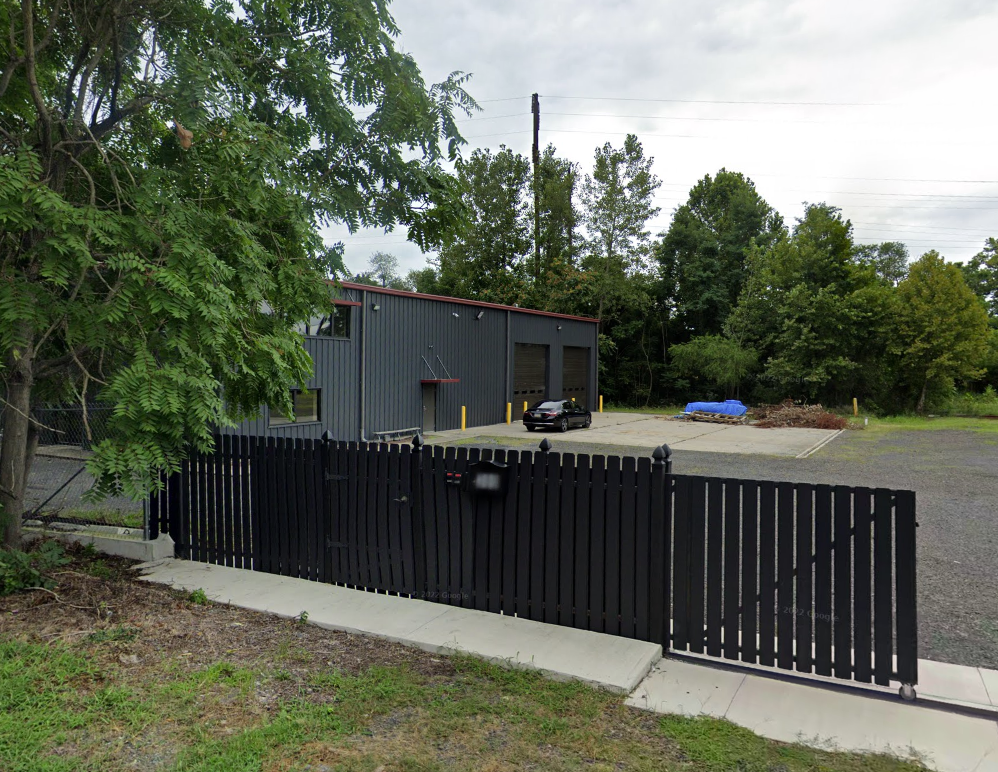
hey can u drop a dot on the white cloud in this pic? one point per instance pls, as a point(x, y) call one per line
point(927, 70)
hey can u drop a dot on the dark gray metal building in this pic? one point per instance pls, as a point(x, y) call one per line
point(389, 363)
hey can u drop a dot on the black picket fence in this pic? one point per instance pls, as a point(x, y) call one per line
point(813, 578)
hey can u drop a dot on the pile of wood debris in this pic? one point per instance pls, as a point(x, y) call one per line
point(790, 414)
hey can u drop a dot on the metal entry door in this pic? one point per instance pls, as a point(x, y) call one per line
point(575, 375)
point(530, 370)
point(429, 407)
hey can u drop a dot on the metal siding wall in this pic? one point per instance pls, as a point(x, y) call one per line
point(403, 330)
point(335, 363)
point(398, 334)
point(531, 328)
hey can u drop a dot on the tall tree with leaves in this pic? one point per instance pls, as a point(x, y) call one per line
point(486, 256)
point(888, 260)
point(702, 255)
point(617, 203)
point(942, 328)
point(559, 216)
point(384, 267)
point(818, 320)
point(164, 169)
point(981, 274)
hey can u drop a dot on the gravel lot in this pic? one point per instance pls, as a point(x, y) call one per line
point(955, 477)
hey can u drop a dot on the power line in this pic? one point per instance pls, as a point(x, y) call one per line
point(713, 120)
point(721, 101)
point(890, 179)
point(913, 225)
point(492, 117)
point(503, 99)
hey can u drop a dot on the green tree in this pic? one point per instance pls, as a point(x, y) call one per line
point(981, 274)
point(485, 258)
point(164, 169)
point(702, 255)
point(425, 280)
point(384, 268)
point(819, 320)
point(559, 216)
point(888, 260)
point(721, 361)
point(617, 202)
point(942, 328)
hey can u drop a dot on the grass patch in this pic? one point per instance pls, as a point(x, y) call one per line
point(719, 746)
point(116, 634)
point(879, 426)
point(666, 410)
point(60, 711)
point(105, 517)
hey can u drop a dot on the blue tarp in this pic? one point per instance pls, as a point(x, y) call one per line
point(728, 407)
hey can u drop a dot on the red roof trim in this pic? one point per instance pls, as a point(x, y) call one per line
point(338, 302)
point(462, 301)
point(441, 380)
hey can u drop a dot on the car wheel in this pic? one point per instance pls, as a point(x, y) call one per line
point(588, 423)
point(563, 426)
point(531, 428)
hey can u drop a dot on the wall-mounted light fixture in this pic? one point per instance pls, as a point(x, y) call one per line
point(479, 315)
point(455, 314)
point(559, 327)
point(375, 307)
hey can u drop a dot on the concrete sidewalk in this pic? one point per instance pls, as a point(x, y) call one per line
point(823, 717)
point(781, 709)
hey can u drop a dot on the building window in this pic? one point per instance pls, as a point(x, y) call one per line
point(335, 325)
point(306, 406)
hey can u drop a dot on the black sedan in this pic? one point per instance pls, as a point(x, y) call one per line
point(560, 415)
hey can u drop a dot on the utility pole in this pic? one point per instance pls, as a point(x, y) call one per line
point(535, 108)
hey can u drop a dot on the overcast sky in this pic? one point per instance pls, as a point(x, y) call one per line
point(885, 108)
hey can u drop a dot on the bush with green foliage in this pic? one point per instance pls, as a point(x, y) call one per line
point(21, 570)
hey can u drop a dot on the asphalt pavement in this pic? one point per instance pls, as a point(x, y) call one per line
point(955, 477)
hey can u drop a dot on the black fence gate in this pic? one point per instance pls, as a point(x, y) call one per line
point(813, 578)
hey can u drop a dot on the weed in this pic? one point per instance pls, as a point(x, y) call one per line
point(303, 617)
point(24, 570)
point(198, 597)
point(98, 569)
point(116, 634)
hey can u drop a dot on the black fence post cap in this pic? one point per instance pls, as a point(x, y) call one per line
point(327, 436)
point(545, 445)
point(417, 442)
point(662, 454)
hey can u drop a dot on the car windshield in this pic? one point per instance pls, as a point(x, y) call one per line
point(546, 406)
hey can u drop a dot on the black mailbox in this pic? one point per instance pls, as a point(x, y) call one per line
point(486, 478)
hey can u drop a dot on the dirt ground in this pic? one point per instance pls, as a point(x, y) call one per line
point(109, 673)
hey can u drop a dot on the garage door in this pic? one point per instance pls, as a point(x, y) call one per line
point(575, 375)
point(530, 369)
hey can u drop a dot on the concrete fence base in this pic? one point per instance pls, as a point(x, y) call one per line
point(122, 542)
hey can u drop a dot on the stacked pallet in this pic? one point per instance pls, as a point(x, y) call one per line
point(717, 418)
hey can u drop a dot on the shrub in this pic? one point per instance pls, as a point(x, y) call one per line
point(975, 404)
point(24, 570)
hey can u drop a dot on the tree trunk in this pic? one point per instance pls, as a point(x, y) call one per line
point(16, 448)
point(920, 407)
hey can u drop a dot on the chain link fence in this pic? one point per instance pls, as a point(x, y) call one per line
point(59, 480)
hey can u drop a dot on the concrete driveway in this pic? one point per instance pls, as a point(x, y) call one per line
point(642, 430)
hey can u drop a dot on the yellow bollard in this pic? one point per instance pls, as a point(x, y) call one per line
point(855, 407)
point(464, 418)
point(524, 406)
point(601, 403)
point(509, 413)
point(573, 399)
